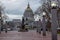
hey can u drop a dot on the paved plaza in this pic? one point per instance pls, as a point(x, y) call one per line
point(31, 35)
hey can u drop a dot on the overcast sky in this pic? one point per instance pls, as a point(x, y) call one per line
point(15, 8)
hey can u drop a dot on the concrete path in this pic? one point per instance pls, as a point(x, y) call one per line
point(31, 35)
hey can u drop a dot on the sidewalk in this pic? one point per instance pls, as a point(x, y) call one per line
point(31, 35)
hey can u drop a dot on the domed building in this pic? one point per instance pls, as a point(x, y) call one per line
point(28, 16)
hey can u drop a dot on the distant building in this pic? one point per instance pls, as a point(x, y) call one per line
point(28, 16)
point(17, 22)
point(14, 24)
point(10, 25)
point(38, 24)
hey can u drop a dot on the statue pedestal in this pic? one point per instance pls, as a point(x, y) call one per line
point(23, 30)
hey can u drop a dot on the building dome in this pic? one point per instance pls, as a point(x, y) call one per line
point(28, 8)
point(28, 12)
point(28, 15)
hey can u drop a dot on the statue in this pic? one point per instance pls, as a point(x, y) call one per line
point(23, 29)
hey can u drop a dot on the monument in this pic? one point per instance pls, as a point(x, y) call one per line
point(23, 28)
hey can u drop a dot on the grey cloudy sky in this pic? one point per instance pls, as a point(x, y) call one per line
point(16, 8)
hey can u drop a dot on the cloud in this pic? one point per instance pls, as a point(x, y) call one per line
point(17, 7)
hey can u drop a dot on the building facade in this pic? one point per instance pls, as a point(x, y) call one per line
point(28, 16)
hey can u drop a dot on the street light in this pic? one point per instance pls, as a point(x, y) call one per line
point(44, 13)
point(53, 4)
point(44, 24)
point(54, 23)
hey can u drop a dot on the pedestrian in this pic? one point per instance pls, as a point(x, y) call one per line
point(6, 27)
point(39, 26)
point(0, 29)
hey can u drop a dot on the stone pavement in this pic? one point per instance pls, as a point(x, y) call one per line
point(31, 35)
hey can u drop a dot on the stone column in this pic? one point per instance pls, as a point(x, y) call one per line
point(44, 26)
point(54, 23)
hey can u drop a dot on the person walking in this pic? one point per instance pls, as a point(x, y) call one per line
point(6, 27)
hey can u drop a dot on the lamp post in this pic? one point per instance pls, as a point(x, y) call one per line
point(44, 24)
point(0, 24)
point(54, 23)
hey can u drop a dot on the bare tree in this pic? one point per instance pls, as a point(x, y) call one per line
point(1, 20)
